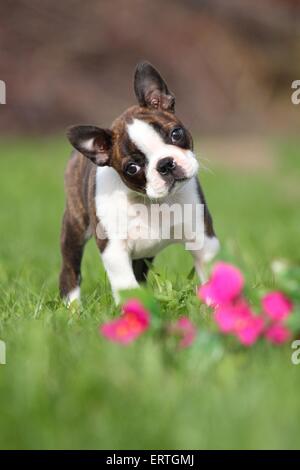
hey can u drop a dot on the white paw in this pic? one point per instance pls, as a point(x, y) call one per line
point(73, 295)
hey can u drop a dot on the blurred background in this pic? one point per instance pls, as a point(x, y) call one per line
point(230, 63)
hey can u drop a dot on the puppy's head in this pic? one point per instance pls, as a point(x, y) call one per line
point(147, 145)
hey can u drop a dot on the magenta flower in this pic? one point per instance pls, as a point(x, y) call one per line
point(249, 331)
point(226, 315)
point(277, 306)
point(225, 285)
point(278, 334)
point(134, 320)
point(239, 320)
point(186, 331)
point(234, 316)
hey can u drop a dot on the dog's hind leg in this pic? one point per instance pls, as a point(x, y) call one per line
point(73, 238)
point(141, 268)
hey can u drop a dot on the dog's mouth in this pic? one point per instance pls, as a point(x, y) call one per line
point(178, 183)
point(169, 175)
point(171, 186)
point(177, 177)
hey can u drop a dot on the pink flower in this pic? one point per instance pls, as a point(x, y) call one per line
point(131, 324)
point(278, 334)
point(225, 285)
point(250, 330)
point(230, 316)
point(185, 329)
point(239, 320)
point(277, 306)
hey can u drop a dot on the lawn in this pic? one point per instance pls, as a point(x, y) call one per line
point(64, 386)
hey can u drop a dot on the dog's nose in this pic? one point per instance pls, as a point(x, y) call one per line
point(166, 165)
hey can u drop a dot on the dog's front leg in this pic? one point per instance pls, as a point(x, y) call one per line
point(118, 265)
point(204, 255)
point(199, 264)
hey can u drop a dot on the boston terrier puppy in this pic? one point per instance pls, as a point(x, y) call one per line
point(117, 176)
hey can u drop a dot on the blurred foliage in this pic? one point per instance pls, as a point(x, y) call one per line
point(230, 63)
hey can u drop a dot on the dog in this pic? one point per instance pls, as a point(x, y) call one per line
point(146, 158)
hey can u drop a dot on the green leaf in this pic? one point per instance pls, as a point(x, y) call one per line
point(293, 322)
point(191, 274)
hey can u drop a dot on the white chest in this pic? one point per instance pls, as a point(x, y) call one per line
point(143, 226)
point(149, 229)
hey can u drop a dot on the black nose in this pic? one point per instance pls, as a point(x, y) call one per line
point(166, 165)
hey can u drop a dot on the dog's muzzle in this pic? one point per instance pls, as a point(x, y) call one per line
point(166, 165)
point(170, 170)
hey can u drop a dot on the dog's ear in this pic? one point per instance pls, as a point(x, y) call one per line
point(93, 142)
point(151, 90)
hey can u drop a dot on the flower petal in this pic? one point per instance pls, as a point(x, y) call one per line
point(232, 315)
point(206, 294)
point(186, 331)
point(277, 306)
point(224, 317)
point(278, 334)
point(130, 325)
point(135, 308)
point(250, 331)
point(225, 285)
point(117, 331)
point(238, 319)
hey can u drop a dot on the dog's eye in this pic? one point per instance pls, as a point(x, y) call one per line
point(177, 135)
point(132, 169)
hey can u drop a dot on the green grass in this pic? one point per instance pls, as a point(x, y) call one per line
point(66, 387)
